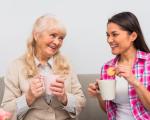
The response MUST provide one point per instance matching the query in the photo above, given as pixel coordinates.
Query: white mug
(107, 89)
(48, 80)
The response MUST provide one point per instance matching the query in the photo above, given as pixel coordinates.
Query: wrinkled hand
(36, 89)
(126, 72)
(4, 115)
(93, 89)
(58, 89)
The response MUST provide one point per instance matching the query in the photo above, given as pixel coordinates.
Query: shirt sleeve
(22, 106)
(71, 104)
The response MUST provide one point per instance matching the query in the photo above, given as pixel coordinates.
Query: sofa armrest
(2, 87)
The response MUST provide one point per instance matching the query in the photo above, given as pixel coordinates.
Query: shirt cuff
(71, 104)
(22, 106)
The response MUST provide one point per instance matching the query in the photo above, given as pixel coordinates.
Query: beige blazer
(16, 85)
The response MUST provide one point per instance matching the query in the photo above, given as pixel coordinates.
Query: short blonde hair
(45, 22)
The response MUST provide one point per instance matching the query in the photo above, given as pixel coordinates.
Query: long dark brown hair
(129, 22)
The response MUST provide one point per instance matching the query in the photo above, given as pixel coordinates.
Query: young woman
(132, 67)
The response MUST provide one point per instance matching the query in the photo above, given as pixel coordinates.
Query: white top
(122, 101)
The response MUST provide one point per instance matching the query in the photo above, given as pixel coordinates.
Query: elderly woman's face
(49, 42)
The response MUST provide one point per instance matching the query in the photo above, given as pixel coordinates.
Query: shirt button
(50, 109)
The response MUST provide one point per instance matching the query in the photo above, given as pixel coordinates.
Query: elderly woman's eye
(52, 35)
(61, 38)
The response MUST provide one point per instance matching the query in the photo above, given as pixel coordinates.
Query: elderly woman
(28, 94)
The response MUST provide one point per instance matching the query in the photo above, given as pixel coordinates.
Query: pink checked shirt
(141, 69)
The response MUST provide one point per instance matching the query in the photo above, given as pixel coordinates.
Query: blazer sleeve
(12, 91)
(76, 90)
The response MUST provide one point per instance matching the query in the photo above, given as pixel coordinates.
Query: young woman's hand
(126, 72)
(93, 89)
(4, 115)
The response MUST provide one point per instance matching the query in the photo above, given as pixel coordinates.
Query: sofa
(91, 111)
(2, 85)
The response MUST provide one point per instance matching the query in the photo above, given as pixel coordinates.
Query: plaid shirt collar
(140, 55)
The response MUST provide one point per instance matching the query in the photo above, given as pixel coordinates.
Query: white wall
(85, 44)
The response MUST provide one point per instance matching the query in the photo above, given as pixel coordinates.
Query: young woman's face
(49, 42)
(119, 40)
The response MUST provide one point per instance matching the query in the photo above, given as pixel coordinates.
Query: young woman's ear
(133, 36)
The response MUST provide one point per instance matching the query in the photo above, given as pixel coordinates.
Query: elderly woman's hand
(36, 89)
(58, 89)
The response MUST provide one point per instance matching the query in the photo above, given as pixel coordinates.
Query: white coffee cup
(48, 80)
(107, 89)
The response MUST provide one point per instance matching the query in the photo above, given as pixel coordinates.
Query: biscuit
(111, 71)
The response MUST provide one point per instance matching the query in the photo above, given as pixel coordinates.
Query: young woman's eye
(115, 35)
(107, 35)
